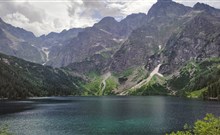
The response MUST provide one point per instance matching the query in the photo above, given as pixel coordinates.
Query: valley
(171, 50)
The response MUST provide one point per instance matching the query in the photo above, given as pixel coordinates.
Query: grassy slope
(193, 80)
(93, 87)
(156, 86)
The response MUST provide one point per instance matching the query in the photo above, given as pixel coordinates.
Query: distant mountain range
(172, 50)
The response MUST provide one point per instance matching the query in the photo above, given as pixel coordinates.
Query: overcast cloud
(44, 16)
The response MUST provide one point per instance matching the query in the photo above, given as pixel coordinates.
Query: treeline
(194, 76)
(213, 92)
(21, 79)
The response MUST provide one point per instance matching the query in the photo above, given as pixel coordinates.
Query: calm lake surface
(102, 115)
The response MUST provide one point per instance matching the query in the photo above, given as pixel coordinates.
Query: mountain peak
(209, 9)
(106, 21)
(132, 16)
(164, 1)
(202, 6)
(167, 8)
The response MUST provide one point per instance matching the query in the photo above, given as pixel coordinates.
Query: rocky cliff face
(16, 31)
(171, 37)
(17, 42)
(198, 40)
(96, 64)
(104, 37)
(171, 34)
(163, 19)
(167, 8)
(58, 39)
(23, 44)
(52, 43)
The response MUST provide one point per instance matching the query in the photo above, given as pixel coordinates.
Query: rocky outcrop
(198, 40)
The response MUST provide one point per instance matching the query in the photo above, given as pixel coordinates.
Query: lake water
(153, 115)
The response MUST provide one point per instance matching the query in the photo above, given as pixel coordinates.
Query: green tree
(210, 125)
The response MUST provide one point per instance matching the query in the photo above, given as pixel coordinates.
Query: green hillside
(198, 79)
(21, 79)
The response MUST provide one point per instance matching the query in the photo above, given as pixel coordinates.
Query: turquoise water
(102, 115)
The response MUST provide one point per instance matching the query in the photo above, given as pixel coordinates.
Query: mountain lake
(151, 115)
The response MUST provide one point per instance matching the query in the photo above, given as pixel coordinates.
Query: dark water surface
(102, 115)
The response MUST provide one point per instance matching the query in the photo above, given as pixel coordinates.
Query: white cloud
(137, 6)
(44, 16)
(19, 20)
(25, 8)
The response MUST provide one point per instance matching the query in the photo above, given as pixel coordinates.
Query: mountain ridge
(167, 39)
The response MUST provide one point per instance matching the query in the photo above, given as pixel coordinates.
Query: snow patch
(149, 37)
(118, 40)
(6, 61)
(46, 51)
(160, 47)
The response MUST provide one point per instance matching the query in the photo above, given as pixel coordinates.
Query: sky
(45, 16)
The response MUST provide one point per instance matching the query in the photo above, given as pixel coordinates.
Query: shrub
(4, 130)
(210, 125)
